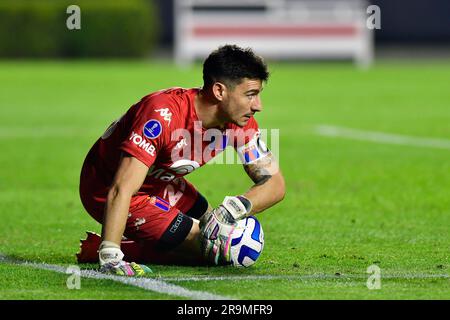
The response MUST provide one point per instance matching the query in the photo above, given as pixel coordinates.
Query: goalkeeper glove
(123, 268)
(110, 257)
(233, 209)
(217, 226)
(215, 239)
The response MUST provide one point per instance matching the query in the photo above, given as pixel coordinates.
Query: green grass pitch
(350, 203)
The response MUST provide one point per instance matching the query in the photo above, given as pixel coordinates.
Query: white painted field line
(405, 276)
(380, 137)
(156, 285)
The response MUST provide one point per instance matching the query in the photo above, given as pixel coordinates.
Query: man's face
(242, 101)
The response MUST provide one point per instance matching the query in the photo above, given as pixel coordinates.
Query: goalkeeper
(132, 181)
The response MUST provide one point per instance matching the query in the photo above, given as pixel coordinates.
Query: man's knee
(184, 229)
(176, 233)
(199, 208)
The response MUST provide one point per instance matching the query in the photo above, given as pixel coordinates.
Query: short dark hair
(230, 64)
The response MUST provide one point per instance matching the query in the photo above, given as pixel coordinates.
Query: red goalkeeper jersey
(163, 131)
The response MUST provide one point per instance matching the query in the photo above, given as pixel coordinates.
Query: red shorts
(160, 217)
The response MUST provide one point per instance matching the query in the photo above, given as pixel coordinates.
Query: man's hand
(233, 209)
(217, 225)
(123, 268)
(215, 237)
(110, 257)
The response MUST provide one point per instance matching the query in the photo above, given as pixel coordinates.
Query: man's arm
(269, 187)
(128, 179)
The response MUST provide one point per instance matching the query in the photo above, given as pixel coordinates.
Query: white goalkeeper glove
(109, 252)
(217, 226)
(234, 208)
(110, 257)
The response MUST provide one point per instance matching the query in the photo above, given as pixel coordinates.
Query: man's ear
(219, 90)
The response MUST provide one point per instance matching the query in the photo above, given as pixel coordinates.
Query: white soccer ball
(247, 242)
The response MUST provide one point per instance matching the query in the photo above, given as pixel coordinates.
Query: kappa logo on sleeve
(166, 114)
(152, 129)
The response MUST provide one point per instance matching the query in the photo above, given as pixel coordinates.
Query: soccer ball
(247, 242)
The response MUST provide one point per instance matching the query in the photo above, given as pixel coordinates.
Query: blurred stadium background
(377, 196)
(174, 28)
